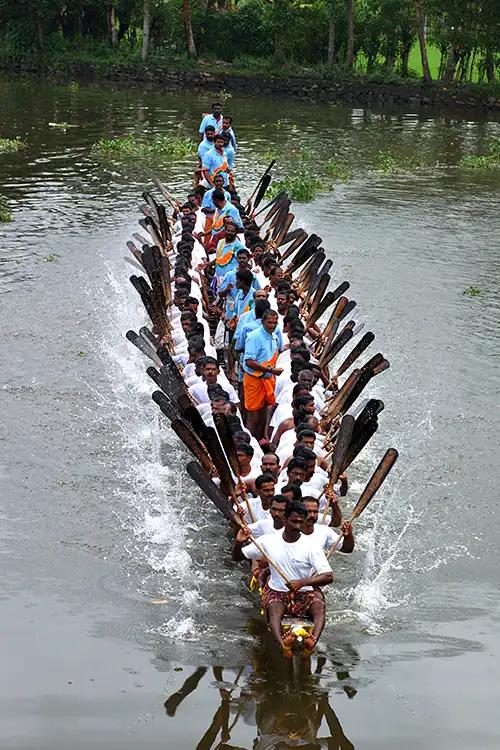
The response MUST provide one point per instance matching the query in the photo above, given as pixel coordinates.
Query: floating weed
(82, 354)
(388, 163)
(11, 145)
(490, 160)
(130, 146)
(224, 95)
(5, 213)
(50, 258)
(302, 187)
(61, 125)
(472, 291)
(338, 170)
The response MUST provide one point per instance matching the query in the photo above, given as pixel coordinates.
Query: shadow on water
(282, 704)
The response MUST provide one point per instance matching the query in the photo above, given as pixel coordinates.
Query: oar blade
(222, 426)
(358, 350)
(211, 490)
(341, 447)
(376, 480)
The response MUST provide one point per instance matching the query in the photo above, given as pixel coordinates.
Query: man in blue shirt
(262, 348)
(207, 201)
(228, 150)
(214, 119)
(215, 162)
(207, 143)
(227, 125)
(229, 287)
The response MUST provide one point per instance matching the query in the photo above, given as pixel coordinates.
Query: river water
(116, 582)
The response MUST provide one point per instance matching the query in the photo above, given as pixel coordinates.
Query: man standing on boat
(215, 162)
(262, 348)
(214, 119)
(305, 567)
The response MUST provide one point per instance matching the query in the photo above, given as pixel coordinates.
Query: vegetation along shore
(415, 52)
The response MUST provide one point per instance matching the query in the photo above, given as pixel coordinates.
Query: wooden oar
(341, 445)
(347, 309)
(167, 381)
(189, 686)
(136, 253)
(335, 405)
(360, 347)
(293, 235)
(366, 376)
(359, 441)
(302, 247)
(204, 482)
(266, 181)
(153, 205)
(278, 197)
(323, 306)
(191, 413)
(373, 485)
(214, 447)
(266, 173)
(330, 332)
(333, 348)
(222, 427)
(143, 346)
(168, 196)
(304, 253)
(310, 272)
(283, 229)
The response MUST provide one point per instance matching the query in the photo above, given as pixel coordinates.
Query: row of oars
(214, 449)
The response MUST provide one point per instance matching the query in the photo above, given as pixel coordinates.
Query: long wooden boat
(305, 264)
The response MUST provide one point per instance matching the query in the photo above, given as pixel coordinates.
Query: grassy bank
(100, 61)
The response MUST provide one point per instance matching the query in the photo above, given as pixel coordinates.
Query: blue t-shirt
(261, 346)
(229, 151)
(204, 146)
(227, 210)
(243, 302)
(207, 201)
(230, 278)
(216, 163)
(225, 255)
(233, 139)
(210, 120)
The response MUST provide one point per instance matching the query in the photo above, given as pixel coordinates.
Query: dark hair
(268, 312)
(297, 388)
(262, 479)
(297, 463)
(280, 499)
(272, 453)
(302, 451)
(295, 507)
(273, 269)
(209, 361)
(216, 104)
(245, 448)
(283, 286)
(260, 307)
(215, 390)
(246, 277)
(210, 127)
(219, 135)
(301, 401)
(241, 437)
(310, 499)
(189, 315)
(192, 301)
(227, 117)
(305, 432)
(243, 250)
(196, 344)
(218, 195)
(294, 489)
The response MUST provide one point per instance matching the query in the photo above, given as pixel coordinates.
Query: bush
(129, 146)
(302, 187)
(11, 145)
(5, 212)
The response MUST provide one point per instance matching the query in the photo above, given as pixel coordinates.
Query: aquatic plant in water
(11, 145)
(490, 160)
(130, 146)
(5, 213)
(388, 163)
(337, 169)
(301, 187)
(472, 291)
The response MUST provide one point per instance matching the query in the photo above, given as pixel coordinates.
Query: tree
(146, 27)
(188, 29)
(349, 55)
(331, 33)
(421, 41)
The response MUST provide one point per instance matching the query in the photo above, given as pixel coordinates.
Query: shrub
(11, 145)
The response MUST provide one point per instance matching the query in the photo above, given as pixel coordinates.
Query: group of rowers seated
(259, 369)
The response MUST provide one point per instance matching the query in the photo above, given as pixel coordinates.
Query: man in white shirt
(276, 521)
(260, 505)
(325, 536)
(211, 375)
(305, 567)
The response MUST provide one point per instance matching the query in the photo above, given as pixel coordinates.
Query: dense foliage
(445, 39)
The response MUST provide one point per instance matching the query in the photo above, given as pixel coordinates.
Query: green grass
(130, 146)
(5, 213)
(387, 162)
(11, 145)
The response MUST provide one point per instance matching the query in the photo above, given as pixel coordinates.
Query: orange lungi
(259, 391)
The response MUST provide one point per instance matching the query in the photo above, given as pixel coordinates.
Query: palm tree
(421, 40)
(186, 18)
(349, 56)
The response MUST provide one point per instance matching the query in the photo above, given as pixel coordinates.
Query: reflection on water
(282, 704)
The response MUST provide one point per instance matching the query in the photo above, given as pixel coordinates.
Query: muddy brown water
(99, 520)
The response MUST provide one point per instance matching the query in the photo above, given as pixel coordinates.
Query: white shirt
(199, 391)
(258, 511)
(300, 559)
(264, 526)
(324, 536)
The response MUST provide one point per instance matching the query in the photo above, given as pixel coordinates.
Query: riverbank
(305, 84)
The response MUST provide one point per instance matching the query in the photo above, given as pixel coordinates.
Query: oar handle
(269, 559)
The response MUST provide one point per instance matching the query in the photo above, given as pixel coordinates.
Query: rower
(207, 143)
(304, 564)
(295, 472)
(304, 405)
(215, 119)
(215, 162)
(262, 348)
(269, 525)
(323, 535)
(292, 492)
(229, 150)
(210, 375)
(207, 202)
(260, 505)
(227, 127)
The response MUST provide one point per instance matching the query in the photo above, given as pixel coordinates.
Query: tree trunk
(39, 30)
(186, 19)
(451, 64)
(421, 41)
(146, 26)
(331, 36)
(112, 28)
(349, 56)
(405, 56)
(489, 65)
